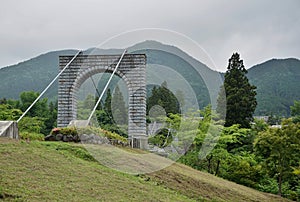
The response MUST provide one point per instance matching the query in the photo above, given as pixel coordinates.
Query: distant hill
(31, 75)
(277, 80)
(278, 85)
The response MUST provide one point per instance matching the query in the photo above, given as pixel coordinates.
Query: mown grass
(56, 171)
(44, 171)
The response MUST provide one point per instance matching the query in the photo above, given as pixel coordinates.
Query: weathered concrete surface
(9, 129)
(132, 70)
(78, 123)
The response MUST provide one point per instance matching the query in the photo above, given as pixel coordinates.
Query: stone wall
(132, 70)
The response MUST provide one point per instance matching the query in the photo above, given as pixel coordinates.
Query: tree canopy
(240, 94)
(163, 97)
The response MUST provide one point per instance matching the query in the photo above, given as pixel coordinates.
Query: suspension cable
(42, 93)
(110, 78)
(94, 84)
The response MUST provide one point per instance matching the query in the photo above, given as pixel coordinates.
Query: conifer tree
(107, 103)
(165, 98)
(119, 108)
(240, 94)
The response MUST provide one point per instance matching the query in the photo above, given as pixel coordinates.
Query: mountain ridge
(277, 80)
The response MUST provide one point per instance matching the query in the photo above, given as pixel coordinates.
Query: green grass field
(56, 171)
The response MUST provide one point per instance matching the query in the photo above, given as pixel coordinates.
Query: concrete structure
(9, 129)
(132, 70)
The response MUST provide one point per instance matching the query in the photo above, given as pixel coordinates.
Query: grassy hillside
(51, 171)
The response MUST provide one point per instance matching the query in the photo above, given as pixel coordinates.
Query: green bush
(65, 131)
(32, 124)
(69, 131)
(90, 130)
(121, 130)
(162, 139)
(24, 135)
(269, 185)
(114, 136)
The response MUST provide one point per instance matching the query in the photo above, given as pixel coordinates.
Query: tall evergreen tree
(118, 107)
(107, 103)
(240, 94)
(165, 98)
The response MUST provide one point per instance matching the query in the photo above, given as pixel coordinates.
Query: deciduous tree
(280, 149)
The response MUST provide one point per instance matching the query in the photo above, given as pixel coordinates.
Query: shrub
(162, 139)
(31, 136)
(90, 130)
(114, 136)
(31, 124)
(65, 131)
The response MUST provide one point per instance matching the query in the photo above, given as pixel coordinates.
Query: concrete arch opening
(132, 70)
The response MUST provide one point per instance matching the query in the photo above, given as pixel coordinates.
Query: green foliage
(107, 103)
(243, 169)
(105, 116)
(51, 118)
(295, 111)
(39, 109)
(240, 94)
(259, 126)
(115, 136)
(119, 111)
(25, 135)
(33, 74)
(40, 119)
(163, 97)
(119, 129)
(7, 112)
(66, 131)
(277, 82)
(162, 139)
(102, 132)
(269, 185)
(274, 119)
(32, 124)
(280, 149)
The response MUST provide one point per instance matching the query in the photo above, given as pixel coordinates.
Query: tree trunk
(217, 168)
(209, 164)
(279, 184)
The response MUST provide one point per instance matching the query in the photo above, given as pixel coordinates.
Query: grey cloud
(258, 29)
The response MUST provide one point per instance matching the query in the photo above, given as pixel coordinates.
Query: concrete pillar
(9, 129)
(132, 70)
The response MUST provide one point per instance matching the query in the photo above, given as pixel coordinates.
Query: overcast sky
(258, 29)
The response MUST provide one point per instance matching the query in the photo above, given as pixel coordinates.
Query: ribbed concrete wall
(132, 70)
(9, 129)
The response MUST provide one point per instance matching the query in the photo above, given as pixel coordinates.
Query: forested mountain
(278, 85)
(31, 75)
(277, 80)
